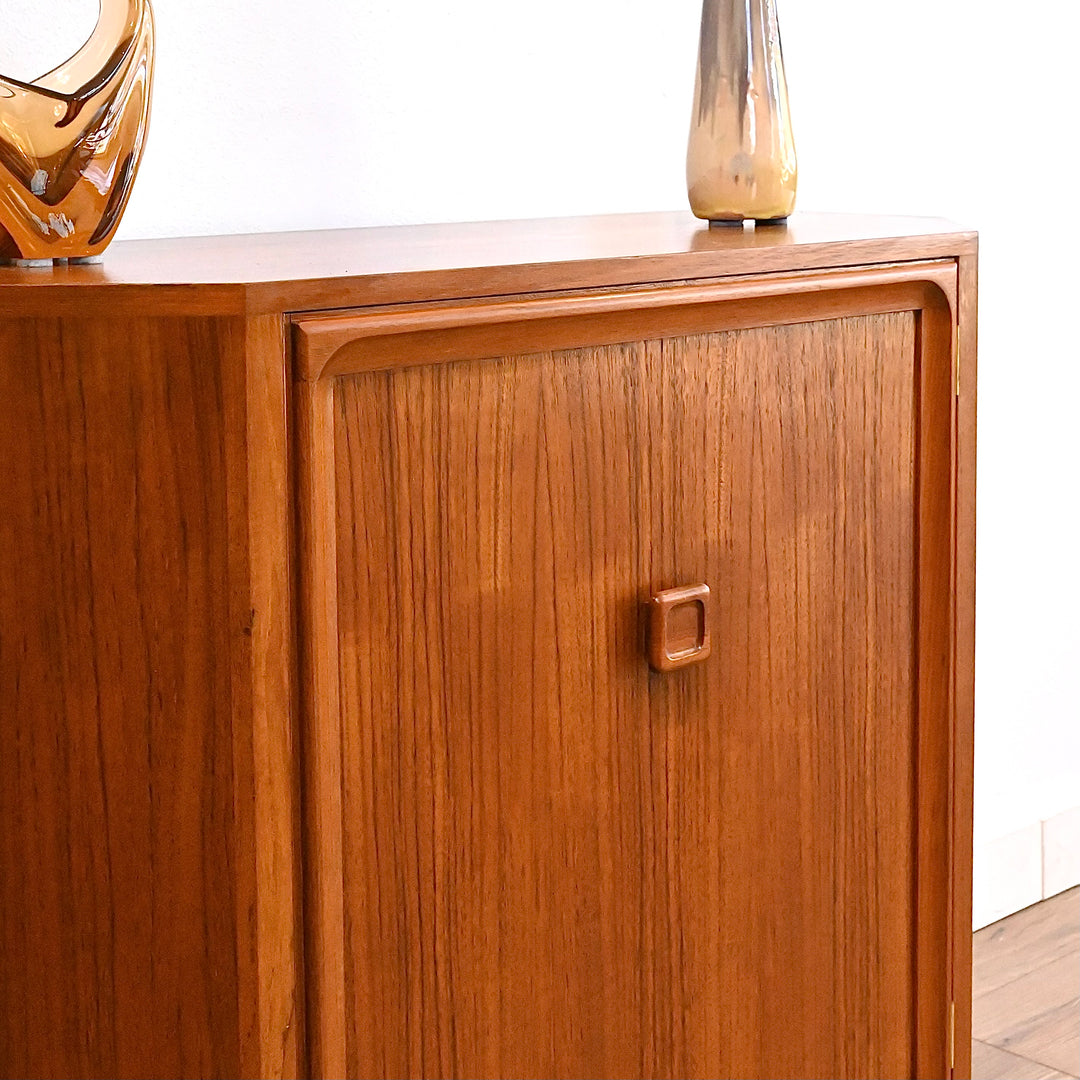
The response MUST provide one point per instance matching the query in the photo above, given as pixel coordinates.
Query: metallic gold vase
(740, 163)
(71, 141)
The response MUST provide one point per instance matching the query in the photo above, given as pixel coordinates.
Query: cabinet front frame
(329, 346)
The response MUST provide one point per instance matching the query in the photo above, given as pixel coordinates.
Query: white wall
(274, 115)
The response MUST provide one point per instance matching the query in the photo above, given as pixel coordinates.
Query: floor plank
(1019, 1004)
(990, 1063)
(1022, 942)
(1052, 1038)
(1026, 993)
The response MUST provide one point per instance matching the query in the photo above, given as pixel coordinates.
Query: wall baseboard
(1019, 869)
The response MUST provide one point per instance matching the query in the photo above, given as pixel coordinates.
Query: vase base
(47, 264)
(738, 223)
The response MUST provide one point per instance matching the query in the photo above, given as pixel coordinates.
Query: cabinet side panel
(118, 931)
(557, 863)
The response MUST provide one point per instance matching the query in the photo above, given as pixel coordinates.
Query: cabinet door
(532, 856)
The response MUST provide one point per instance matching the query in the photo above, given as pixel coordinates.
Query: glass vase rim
(35, 86)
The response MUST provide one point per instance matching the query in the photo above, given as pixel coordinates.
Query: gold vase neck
(737, 38)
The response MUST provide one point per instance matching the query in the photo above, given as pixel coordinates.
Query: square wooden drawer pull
(679, 627)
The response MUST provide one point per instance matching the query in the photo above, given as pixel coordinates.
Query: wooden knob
(679, 627)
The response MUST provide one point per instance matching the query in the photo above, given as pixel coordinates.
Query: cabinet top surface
(271, 272)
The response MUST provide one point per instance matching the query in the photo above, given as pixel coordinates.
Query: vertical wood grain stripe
(963, 739)
(264, 687)
(325, 915)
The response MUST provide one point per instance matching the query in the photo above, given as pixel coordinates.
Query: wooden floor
(1026, 1010)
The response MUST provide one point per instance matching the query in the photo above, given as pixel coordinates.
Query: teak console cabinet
(333, 568)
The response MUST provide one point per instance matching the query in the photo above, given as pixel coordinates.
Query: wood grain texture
(324, 899)
(272, 273)
(962, 804)
(935, 707)
(264, 701)
(556, 863)
(330, 344)
(119, 948)
(149, 857)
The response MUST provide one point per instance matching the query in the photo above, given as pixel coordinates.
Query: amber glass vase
(71, 141)
(740, 163)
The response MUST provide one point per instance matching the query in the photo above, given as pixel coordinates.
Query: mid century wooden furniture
(334, 565)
